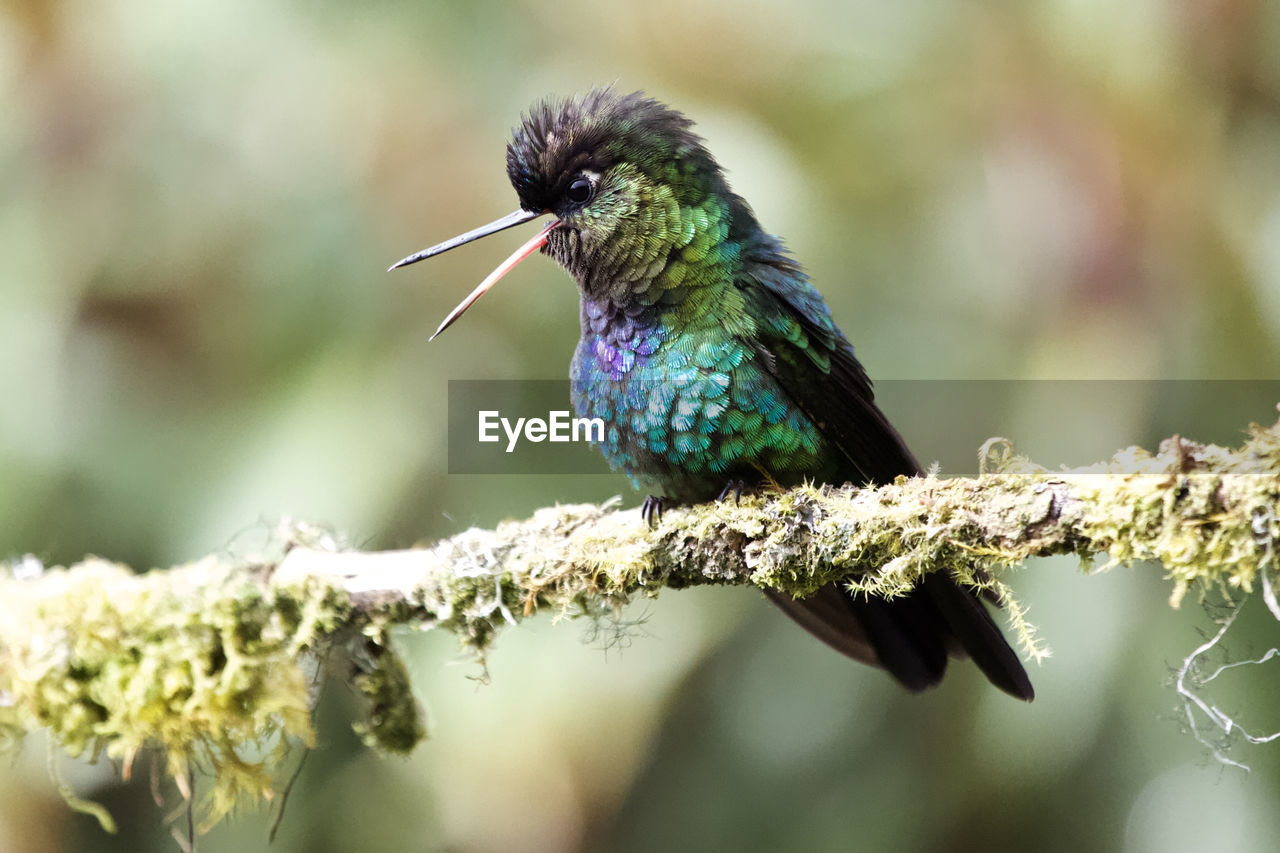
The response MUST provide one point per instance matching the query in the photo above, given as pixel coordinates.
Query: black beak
(517, 217)
(511, 219)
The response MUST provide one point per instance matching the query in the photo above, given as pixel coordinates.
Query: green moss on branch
(213, 662)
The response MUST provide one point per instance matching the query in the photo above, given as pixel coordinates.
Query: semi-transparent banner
(530, 426)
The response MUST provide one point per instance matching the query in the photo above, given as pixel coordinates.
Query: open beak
(517, 217)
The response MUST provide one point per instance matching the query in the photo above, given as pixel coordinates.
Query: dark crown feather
(558, 139)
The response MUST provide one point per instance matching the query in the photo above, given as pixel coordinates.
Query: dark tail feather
(912, 636)
(905, 636)
(825, 615)
(971, 624)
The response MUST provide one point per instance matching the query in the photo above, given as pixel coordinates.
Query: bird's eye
(579, 192)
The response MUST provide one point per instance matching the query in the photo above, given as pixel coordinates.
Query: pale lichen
(200, 662)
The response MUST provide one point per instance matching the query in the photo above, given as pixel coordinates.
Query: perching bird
(713, 360)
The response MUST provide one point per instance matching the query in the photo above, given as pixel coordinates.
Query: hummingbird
(713, 360)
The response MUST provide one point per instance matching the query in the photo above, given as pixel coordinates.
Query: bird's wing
(815, 365)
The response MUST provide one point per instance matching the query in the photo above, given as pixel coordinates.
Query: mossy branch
(213, 662)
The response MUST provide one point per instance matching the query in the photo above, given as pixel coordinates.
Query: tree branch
(209, 659)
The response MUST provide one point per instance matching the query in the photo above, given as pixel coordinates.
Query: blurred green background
(199, 199)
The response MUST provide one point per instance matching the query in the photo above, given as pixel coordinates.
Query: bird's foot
(651, 509)
(736, 487)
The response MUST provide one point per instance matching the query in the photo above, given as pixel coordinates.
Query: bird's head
(627, 182)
